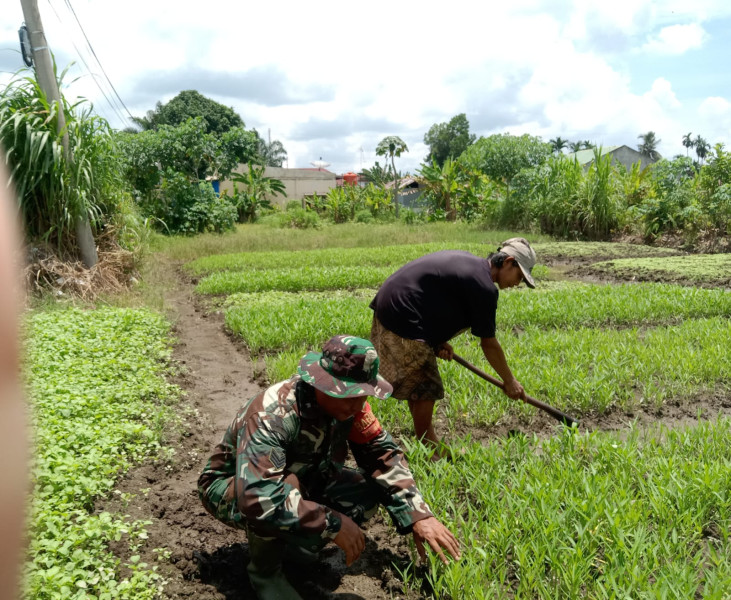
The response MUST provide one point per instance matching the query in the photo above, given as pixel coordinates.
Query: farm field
(634, 503)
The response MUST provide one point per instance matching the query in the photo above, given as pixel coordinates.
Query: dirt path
(207, 559)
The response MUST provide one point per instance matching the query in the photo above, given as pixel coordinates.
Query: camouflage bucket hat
(347, 367)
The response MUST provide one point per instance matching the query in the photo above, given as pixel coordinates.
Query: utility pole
(43, 64)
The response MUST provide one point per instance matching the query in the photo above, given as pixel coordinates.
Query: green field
(575, 515)
(100, 400)
(639, 513)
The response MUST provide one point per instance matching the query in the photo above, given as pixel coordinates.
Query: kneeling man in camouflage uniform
(279, 471)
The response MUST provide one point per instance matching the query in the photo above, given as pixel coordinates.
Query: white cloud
(676, 39)
(332, 78)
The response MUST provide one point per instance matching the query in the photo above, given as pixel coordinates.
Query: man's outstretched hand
(431, 531)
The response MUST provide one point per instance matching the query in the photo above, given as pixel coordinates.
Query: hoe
(554, 412)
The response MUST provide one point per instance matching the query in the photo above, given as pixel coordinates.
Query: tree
(688, 142)
(558, 144)
(587, 144)
(442, 185)
(256, 192)
(448, 140)
(189, 104)
(391, 147)
(165, 168)
(502, 156)
(702, 148)
(378, 175)
(576, 146)
(648, 145)
(271, 154)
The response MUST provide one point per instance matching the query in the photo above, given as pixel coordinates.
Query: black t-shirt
(435, 297)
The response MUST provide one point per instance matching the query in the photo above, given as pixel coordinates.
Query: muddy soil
(205, 559)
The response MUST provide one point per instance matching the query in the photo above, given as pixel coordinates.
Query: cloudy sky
(330, 79)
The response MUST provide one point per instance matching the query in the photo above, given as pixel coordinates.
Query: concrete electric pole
(43, 64)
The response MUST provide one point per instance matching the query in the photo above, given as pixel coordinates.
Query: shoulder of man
(365, 426)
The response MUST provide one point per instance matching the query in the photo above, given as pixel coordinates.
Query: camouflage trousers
(351, 493)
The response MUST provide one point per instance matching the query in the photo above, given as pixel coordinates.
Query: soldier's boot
(300, 556)
(265, 570)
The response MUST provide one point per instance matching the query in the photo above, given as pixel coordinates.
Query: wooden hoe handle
(554, 412)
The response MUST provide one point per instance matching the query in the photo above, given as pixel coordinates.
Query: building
(298, 183)
(409, 192)
(623, 155)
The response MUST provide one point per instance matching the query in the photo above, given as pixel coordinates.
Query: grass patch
(96, 382)
(256, 237)
(582, 370)
(589, 305)
(273, 321)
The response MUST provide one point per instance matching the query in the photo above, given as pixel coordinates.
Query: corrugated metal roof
(406, 181)
(586, 156)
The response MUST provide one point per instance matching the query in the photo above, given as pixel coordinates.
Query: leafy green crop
(304, 277)
(578, 304)
(279, 320)
(593, 251)
(96, 381)
(585, 515)
(713, 269)
(326, 257)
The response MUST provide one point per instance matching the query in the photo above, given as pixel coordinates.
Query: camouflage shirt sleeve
(384, 461)
(268, 494)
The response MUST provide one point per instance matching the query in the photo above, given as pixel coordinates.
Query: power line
(116, 103)
(111, 105)
(71, 8)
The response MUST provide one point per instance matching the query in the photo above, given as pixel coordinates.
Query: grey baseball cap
(524, 255)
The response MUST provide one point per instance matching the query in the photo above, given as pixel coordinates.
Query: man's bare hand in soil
(350, 539)
(431, 531)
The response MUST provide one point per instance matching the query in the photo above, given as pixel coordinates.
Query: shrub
(364, 216)
(190, 208)
(295, 218)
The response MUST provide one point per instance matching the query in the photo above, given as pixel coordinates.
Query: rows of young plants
(699, 269)
(575, 515)
(390, 255)
(584, 515)
(100, 400)
(282, 320)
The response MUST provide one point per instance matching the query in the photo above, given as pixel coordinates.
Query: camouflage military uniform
(279, 470)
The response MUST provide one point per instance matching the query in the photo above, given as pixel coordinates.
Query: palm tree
(587, 145)
(648, 145)
(272, 154)
(702, 147)
(576, 146)
(392, 146)
(688, 142)
(558, 144)
(378, 175)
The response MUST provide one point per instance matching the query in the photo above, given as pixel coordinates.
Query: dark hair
(496, 259)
